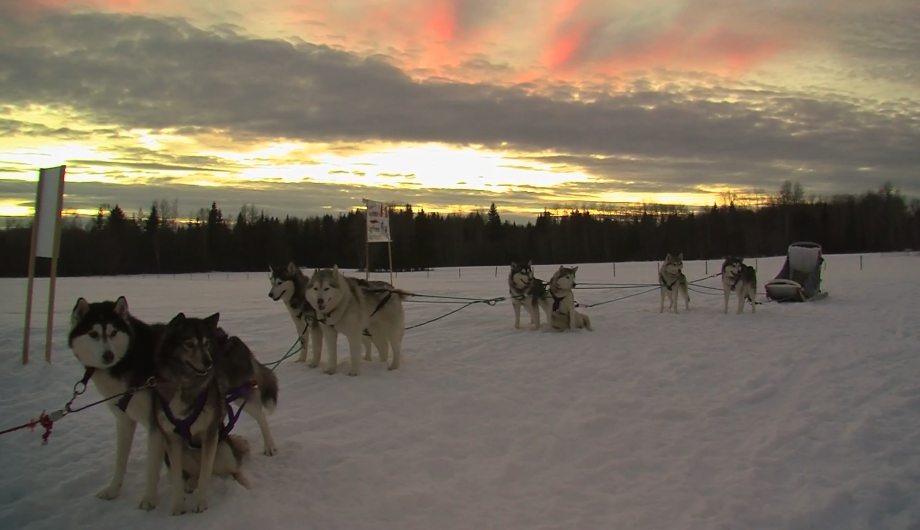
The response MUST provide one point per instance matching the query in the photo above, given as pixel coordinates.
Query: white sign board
(378, 222)
(47, 209)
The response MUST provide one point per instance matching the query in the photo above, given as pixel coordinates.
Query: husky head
(673, 265)
(100, 332)
(732, 266)
(564, 278)
(185, 349)
(326, 289)
(286, 282)
(521, 275)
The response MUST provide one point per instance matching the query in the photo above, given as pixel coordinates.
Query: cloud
(146, 72)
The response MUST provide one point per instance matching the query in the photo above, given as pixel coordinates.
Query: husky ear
(667, 258)
(680, 257)
(574, 269)
(291, 268)
(212, 321)
(335, 269)
(530, 264)
(177, 319)
(121, 307)
(80, 309)
(513, 264)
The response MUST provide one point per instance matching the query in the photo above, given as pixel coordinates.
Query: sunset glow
(451, 105)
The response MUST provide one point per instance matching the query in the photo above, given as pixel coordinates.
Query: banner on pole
(378, 222)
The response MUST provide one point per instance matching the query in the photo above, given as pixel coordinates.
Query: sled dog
(673, 283)
(528, 292)
(290, 285)
(741, 278)
(561, 287)
(352, 307)
(202, 371)
(116, 349)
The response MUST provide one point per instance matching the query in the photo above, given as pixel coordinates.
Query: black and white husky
(116, 349)
(289, 285)
(673, 282)
(742, 279)
(528, 292)
(561, 288)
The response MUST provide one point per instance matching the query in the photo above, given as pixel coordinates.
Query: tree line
(159, 242)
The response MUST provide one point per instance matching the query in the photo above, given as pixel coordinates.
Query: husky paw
(109, 492)
(312, 364)
(393, 367)
(191, 484)
(352, 373)
(147, 504)
(300, 360)
(329, 371)
(200, 505)
(177, 509)
(270, 450)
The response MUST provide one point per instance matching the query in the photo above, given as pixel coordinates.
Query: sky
(306, 107)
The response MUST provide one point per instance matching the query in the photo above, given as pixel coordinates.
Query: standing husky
(290, 286)
(528, 292)
(117, 351)
(741, 278)
(673, 282)
(351, 307)
(561, 287)
(202, 371)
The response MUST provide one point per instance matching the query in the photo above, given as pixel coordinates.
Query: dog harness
(666, 284)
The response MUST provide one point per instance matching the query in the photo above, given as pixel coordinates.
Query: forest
(158, 241)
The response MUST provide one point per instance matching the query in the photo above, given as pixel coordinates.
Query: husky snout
(108, 357)
(202, 366)
(320, 303)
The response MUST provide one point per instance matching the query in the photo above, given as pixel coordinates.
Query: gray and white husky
(289, 284)
(352, 307)
(673, 282)
(528, 292)
(742, 279)
(202, 371)
(561, 288)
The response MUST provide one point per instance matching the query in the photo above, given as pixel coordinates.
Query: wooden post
(390, 252)
(860, 262)
(707, 266)
(614, 269)
(367, 258)
(46, 232)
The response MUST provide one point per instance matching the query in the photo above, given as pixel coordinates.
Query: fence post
(614, 269)
(496, 271)
(707, 267)
(459, 272)
(860, 262)
(756, 265)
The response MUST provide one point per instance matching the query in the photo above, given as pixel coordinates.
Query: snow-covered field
(803, 416)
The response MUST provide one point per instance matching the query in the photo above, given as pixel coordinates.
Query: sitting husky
(202, 370)
(564, 316)
(528, 292)
(673, 282)
(351, 306)
(741, 278)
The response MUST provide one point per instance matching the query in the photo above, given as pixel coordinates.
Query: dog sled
(800, 278)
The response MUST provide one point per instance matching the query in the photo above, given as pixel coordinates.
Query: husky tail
(268, 386)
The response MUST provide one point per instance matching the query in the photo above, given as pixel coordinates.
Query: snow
(802, 416)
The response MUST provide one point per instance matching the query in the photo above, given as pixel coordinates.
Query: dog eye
(325, 288)
(93, 334)
(113, 333)
(189, 344)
